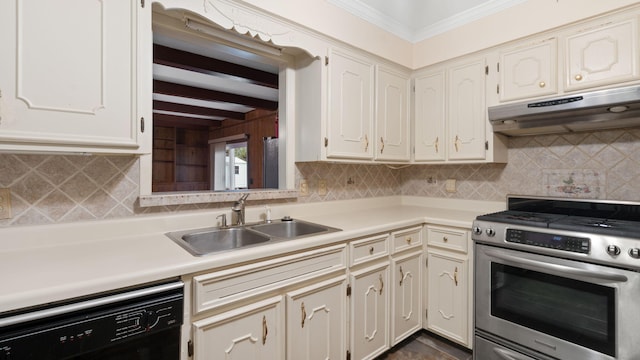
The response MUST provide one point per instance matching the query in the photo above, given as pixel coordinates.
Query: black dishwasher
(141, 324)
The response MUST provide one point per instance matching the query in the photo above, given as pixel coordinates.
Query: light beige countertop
(49, 263)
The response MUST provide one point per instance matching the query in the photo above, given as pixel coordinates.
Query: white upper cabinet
(602, 55)
(529, 71)
(350, 106)
(430, 117)
(467, 111)
(392, 115)
(68, 75)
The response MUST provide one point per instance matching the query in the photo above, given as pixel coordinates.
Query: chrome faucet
(238, 208)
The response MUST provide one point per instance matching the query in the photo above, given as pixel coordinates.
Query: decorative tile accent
(56, 188)
(586, 184)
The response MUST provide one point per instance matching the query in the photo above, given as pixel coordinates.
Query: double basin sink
(211, 240)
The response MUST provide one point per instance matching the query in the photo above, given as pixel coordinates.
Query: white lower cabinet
(406, 304)
(353, 300)
(370, 311)
(447, 296)
(255, 331)
(316, 321)
(449, 286)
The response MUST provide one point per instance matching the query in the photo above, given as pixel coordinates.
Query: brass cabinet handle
(371, 250)
(303, 312)
(265, 330)
(578, 77)
(381, 283)
(366, 143)
(455, 142)
(445, 239)
(455, 276)
(382, 144)
(409, 240)
(401, 275)
(542, 84)
(436, 144)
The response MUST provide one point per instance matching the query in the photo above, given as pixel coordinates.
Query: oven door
(563, 308)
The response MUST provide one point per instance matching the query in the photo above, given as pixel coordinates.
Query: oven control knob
(491, 232)
(477, 230)
(613, 250)
(634, 253)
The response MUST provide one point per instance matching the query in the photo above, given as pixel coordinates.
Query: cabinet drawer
(448, 238)
(369, 248)
(219, 288)
(406, 239)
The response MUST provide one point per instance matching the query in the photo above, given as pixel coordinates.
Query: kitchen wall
(598, 165)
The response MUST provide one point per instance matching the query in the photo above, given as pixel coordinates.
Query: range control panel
(552, 241)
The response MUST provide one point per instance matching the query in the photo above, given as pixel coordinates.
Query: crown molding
(415, 33)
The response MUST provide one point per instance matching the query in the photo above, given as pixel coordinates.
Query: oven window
(580, 312)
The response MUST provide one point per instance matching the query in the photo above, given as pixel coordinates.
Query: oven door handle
(557, 268)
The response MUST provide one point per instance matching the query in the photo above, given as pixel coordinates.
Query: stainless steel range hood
(602, 109)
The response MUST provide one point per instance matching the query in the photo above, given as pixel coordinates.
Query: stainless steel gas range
(557, 279)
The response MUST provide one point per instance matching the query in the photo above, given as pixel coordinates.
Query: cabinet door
(529, 71)
(350, 106)
(447, 310)
(68, 78)
(467, 111)
(430, 117)
(406, 314)
(250, 332)
(392, 115)
(316, 321)
(605, 55)
(370, 311)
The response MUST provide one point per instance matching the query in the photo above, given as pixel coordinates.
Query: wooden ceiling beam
(206, 65)
(197, 110)
(173, 120)
(167, 88)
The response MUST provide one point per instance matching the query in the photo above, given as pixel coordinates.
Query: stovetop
(584, 230)
(597, 217)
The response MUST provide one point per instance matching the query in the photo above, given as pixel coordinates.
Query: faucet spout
(238, 208)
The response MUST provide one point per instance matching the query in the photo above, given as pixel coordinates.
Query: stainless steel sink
(205, 241)
(211, 240)
(290, 228)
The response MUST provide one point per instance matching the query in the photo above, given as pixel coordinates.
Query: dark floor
(426, 346)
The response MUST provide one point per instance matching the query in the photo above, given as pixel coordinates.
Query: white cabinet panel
(370, 311)
(392, 115)
(529, 71)
(604, 55)
(316, 321)
(68, 79)
(467, 111)
(407, 296)
(448, 296)
(252, 332)
(350, 106)
(430, 117)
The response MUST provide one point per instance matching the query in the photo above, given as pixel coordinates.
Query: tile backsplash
(598, 165)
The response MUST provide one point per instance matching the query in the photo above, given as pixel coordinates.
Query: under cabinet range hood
(602, 109)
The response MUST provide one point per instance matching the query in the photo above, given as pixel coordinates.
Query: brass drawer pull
(445, 239)
(371, 250)
(265, 329)
(409, 240)
(455, 276)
